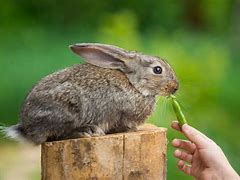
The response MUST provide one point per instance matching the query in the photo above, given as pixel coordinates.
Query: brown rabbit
(113, 92)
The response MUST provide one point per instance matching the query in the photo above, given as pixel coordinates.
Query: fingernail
(185, 128)
(177, 153)
(175, 142)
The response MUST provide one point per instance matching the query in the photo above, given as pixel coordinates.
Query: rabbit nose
(174, 86)
(174, 90)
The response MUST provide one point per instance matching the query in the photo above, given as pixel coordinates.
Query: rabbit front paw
(90, 131)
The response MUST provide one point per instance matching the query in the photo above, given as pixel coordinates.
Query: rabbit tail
(14, 132)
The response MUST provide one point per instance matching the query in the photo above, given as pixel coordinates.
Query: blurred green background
(200, 39)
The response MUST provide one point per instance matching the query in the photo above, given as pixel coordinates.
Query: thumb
(199, 139)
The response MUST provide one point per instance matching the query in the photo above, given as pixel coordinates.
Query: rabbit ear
(101, 55)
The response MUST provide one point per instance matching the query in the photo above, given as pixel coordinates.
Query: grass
(204, 65)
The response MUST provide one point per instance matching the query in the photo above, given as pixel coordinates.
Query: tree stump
(130, 155)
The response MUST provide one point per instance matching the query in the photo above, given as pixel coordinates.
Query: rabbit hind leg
(84, 131)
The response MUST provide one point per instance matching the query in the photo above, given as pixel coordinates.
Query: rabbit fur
(113, 92)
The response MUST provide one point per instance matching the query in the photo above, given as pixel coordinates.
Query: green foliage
(194, 38)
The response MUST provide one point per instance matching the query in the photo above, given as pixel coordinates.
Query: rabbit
(113, 92)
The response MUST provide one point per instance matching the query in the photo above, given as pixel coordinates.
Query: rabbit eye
(157, 70)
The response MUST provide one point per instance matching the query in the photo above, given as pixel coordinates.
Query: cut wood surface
(130, 155)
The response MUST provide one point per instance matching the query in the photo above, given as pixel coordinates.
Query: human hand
(200, 156)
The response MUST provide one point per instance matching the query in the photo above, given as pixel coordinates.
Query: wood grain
(130, 156)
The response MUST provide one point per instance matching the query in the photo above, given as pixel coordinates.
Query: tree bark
(130, 155)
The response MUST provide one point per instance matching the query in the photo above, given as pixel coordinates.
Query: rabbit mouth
(165, 94)
(169, 88)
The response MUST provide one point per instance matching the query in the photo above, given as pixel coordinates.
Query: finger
(187, 169)
(184, 167)
(175, 125)
(196, 136)
(183, 156)
(183, 144)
